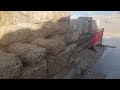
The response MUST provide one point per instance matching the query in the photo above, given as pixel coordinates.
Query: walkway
(109, 63)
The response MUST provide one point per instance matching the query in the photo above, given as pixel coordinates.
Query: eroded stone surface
(52, 46)
(29, 54)
(47, 42)
(10, 65)
(39, 71)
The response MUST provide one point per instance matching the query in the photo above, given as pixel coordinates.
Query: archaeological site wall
(44, 45)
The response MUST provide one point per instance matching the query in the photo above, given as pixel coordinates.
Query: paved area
(109, 63)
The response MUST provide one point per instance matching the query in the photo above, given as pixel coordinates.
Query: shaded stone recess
(44, 45)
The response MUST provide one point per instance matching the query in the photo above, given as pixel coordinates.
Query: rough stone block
(28, 53)
(10, 66)
(37, 72)
(52, 46)
(61, 61)
(13, 33)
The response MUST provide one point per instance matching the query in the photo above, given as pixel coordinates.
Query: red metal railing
(97, 38)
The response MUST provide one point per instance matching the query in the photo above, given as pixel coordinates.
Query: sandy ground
(111, 30)
(111, 24)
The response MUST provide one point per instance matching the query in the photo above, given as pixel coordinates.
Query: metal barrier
(97, 39)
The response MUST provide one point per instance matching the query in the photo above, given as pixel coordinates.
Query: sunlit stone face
(18, 25)
(15, 17)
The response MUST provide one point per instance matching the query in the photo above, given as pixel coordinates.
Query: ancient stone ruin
(44, 45)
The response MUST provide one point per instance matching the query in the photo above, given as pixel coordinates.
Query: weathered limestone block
(84, 24)
(2, 48)
(61, 15)
(86, 27)
(85, 18)
(81, 25)
(61, 61)
(22, 26)
(65, 25)
(13, 33)
(77, 24)
(56, 63)
(52, 46)
(28, 32)
(16, 17)
(29, 54)
(36, 72)
(50, 29)
(69, 37)
(76, 35)
(81, 30)
(73, 37)
(11, 17)
(60, 37)
(23, 33)
(10, 66)
(94, 26)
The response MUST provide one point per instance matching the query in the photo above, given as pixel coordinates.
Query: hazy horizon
(76, 14)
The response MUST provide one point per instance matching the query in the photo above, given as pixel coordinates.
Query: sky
(76, 14)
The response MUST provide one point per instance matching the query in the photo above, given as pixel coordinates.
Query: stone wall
(44, 44)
